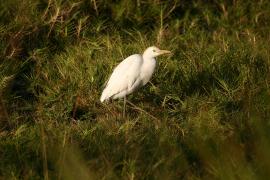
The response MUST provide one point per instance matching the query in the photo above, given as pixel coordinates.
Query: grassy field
(205, 114)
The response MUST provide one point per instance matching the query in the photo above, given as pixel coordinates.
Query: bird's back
(123, 78)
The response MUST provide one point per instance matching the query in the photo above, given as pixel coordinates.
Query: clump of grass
(205, 114)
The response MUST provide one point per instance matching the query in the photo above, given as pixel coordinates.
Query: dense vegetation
(205, 114)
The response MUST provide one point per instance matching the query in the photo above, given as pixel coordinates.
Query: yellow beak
(164, 52)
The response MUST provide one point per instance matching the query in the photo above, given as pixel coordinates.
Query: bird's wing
(123, 76)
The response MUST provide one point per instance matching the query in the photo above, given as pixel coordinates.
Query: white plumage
(132, 73)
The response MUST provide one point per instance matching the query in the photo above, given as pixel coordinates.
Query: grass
(204, 115)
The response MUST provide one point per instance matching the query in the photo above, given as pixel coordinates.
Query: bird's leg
(124, 110)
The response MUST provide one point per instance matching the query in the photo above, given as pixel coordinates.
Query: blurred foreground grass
(205, 114)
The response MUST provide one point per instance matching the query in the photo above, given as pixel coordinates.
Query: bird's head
(153, 51)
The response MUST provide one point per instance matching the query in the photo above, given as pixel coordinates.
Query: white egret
(133, 72)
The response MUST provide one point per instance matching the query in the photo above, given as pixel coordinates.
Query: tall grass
(204, 115)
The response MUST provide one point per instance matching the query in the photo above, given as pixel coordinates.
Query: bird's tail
(103, 96)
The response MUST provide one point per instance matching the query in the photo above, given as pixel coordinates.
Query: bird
(132, 73)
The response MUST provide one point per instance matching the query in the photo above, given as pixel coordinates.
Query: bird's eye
(154, 50)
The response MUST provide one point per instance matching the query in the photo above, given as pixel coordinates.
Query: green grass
(205, 114)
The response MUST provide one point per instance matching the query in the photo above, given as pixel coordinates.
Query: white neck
(146, 55)
(148, 67)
